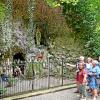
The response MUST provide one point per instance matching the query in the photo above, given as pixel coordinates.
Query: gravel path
(62, 95)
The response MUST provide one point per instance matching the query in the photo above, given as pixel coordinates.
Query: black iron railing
(35, 75)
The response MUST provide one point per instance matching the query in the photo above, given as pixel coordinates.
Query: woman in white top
(89, 64)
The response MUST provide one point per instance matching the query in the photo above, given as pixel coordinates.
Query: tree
(83, 17)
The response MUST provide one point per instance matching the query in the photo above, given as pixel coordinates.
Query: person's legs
(77, 83)
(94, 94)
(89, 88)
(80, 90)
(99, 89)
(84, 92)
(98, 82)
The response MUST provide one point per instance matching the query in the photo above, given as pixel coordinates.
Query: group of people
(88, 74)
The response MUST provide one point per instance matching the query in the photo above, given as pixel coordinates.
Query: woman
(88, 66)
(81, 60)
(93, 81)
(98, 79)
(82, 79)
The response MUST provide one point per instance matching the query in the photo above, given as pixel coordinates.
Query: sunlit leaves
(52, 3)
(56, 3)
(70, 1)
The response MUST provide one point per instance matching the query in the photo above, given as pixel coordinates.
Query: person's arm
(85, 77)
(71, 65)
(97, 74)
(98, 70)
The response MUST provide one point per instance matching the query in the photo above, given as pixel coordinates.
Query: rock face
(17, 39)
(55, 30)
(20, 35)
(17, 35)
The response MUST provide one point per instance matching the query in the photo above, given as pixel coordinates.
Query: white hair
(95, 61)
(81, 57)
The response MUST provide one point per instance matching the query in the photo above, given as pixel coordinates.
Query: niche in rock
(20, 61)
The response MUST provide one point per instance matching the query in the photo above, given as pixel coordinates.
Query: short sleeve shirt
(81, 75)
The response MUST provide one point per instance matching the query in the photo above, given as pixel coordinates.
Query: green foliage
(37, 67)
(11, 80)
(2, 90)
(29, 71)
(96, 48)
(2, 11)
(2, 16)
(83, 19)
(52, 3)
(56, 3)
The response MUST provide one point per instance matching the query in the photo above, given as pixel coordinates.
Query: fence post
(62, 70)
(48, 64)
(33, 73)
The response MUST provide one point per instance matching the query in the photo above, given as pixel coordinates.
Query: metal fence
(23, 77)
